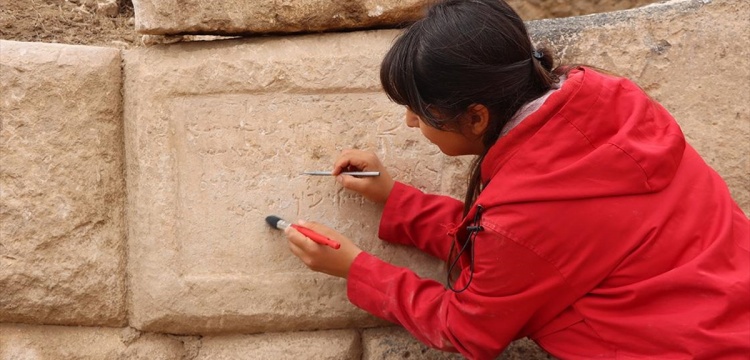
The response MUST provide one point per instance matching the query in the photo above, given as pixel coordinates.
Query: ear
(477, 119)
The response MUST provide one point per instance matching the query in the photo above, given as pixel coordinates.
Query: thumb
(352, 183)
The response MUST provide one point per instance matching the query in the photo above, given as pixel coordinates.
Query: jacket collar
(507, 146)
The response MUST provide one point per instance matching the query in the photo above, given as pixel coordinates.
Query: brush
(281, 224)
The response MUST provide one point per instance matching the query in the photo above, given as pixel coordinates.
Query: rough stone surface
(108, 7)
(269, 16)
(226, 17)
(545, 9)
(689, 55)
(323, 345)
(216, 141)
(395, 343)
(62, 237)
(22, 342)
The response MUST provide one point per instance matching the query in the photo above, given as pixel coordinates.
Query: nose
(412, 120)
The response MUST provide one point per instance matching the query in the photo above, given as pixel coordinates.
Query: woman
(589, 224)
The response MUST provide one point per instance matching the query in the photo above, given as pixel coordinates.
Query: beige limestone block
(692, 56)
(323, 345)
(25, 342)
(216, 136)
(62, 190)
(395, 343)
(223, 17)
(228, 17)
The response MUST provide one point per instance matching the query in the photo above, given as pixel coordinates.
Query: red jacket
(604, 235)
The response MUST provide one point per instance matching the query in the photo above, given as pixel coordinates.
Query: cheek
(427, 132)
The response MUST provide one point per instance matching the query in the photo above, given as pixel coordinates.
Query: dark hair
(466, 52)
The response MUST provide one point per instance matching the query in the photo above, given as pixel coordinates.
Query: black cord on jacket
(472, 229)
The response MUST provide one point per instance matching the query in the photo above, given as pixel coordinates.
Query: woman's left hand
(319, 257)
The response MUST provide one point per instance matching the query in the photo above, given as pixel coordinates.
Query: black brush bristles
(273, 221)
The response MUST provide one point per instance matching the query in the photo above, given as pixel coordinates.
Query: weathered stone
(333, 345)
(689, 55)
(226, 17)
(160, 17)
(62, 236)
(391, 343)
(109, 8)
(216, 142)
(545, 9)
(524, 349)
(394, 343)
(20, 342)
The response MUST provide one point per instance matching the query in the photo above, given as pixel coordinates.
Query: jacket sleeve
(511, 286)
(411, 217)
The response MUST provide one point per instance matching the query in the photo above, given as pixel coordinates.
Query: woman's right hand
(375, 188)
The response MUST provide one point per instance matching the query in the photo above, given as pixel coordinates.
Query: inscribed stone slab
(62, 190)
(216, 136)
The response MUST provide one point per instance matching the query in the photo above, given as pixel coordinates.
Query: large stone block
(62, 190)
(323, 345)
(216, 136)
(395, 343)
(21, 342)
(689, 55)
(228, 17)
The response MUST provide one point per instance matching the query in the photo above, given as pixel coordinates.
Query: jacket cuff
(391, 217)
(362, 288)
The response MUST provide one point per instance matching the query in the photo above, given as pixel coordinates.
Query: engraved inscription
(238, 160)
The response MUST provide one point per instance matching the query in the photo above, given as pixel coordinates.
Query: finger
(305, 257)
(354, 183)
(301, 241)
(349, 159)
(319, 228)
(296, 250)
(342, 162)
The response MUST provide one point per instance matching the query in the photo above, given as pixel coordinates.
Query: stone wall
(207, 138)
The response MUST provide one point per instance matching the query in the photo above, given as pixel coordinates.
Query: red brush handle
(320, 239)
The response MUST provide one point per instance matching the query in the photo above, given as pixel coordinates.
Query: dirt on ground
(69, 22)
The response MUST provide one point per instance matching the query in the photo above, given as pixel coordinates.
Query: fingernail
(301, 222)
(340, 179)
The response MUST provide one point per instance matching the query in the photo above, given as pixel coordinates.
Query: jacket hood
(597, 136)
